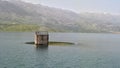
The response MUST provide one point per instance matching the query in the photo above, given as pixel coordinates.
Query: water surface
(90, 51)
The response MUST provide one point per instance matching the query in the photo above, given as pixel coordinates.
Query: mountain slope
(54, 19)
(36, 14)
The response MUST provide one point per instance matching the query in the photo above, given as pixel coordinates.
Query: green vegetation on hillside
(25, 28)
(18, 27)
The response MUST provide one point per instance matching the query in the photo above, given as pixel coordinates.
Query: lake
(90, 51)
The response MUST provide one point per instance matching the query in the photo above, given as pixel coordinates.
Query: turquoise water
(90, 51)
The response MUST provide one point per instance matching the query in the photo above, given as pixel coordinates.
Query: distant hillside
(53, 19)
(101, 21)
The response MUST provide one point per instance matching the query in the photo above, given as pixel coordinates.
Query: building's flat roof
(41, 33)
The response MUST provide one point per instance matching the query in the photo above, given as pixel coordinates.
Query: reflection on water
(41, 56)
(41, 48)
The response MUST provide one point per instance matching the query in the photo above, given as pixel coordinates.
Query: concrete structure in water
(41, 38)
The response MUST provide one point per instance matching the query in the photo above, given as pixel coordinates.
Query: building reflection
(42, 57)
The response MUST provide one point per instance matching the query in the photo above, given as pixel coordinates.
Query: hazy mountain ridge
(18, 12)
(107, 22)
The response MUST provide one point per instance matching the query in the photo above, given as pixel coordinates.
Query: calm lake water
(90, 51)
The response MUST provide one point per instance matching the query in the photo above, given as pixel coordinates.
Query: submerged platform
(53, 43)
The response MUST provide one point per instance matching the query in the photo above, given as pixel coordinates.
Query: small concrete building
(41, 38)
